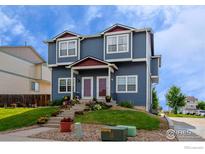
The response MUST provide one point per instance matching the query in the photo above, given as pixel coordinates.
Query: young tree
(175, 98)
(201, 105)
(155, 100)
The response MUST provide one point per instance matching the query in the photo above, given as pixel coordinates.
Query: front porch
(91, 78)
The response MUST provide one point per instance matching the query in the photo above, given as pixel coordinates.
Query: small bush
(126, 104)
(42, 120)
(57, 102)
(97, 107)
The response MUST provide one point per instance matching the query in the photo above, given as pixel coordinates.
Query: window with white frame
(35, 86)
(126, 84)
(68, 48)
(117, 43)
(64, 85)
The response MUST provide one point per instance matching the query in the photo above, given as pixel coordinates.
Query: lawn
(11, 118)
(141, 120)
(184, 115)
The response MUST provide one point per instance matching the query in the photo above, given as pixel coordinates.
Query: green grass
(21, 117)
(120, 117)
(184, 115)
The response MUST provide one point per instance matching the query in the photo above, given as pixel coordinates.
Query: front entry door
(101, 87)
(87, 87)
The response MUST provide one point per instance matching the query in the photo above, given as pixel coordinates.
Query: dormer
(118, 43)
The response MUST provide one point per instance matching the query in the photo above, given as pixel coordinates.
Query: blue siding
(92, 47)
(66, 59)
(139, 69)
(139, 45)
(118, 55)
(52, 53)
(129, 68)
(154, 66)
(58, 72)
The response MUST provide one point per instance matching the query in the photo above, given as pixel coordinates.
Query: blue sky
(179, 35)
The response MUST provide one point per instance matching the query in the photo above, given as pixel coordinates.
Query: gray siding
(118, 55)
(139, 45)
(58, 72)
(154, 66)
(92, 47)
(67, 59)
(52, 53)
(129, 68)
(138, 69)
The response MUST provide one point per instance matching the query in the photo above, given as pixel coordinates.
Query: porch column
(109, 81)
(71, 91)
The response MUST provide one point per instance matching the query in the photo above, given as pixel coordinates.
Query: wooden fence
(25, 100)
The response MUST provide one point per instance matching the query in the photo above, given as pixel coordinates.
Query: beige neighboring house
(24, 76)
(191, 105)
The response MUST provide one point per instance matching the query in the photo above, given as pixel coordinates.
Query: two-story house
(119, 62)
(24, 76)
(191, 105)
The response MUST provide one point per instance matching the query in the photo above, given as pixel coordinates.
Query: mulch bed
(91, 132)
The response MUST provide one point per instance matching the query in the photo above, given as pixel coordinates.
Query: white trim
(91, 87)
(69, 32)
(90, 67)
(67, 38)
(66, 85)
(147, 75)
(78, 49)
(139, 59)
(97, 86)
(118, 32)
(67, 42)
(117, 38)
(104, 47)
(131, 44)
(126, 81)
(119, 59)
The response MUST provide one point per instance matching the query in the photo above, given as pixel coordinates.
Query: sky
(179, 35)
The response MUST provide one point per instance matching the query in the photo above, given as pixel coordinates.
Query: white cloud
(183, 50)
(92, 13)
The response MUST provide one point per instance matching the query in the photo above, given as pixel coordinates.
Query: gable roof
(27, 53)
(123, 27)
(95, 61)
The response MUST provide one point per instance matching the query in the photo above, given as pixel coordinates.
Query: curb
(171, 125)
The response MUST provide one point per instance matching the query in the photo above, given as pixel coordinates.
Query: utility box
(131, 130)
(114, 133)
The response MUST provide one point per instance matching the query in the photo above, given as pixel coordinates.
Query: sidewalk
(23, 135)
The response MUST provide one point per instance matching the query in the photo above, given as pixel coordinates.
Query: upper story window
(68, 48)
(117, 43)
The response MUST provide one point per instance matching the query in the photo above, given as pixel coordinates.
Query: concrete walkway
(189, 129)
(23, 135)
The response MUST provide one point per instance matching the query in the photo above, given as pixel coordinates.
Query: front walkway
(189, 129)
(23, 135)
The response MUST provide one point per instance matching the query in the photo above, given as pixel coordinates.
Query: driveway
(185, 125)
(23, 135)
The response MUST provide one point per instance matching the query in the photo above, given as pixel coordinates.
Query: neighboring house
(191, 105)
(24, 76)
(119, 62)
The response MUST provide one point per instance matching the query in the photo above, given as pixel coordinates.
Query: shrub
(42, 120)
(126, 104)
(57, 102)
(97, 107)
(66, 120)
(94, 99)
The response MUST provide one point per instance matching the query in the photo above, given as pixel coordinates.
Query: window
(68, 48)
(126, 84)
(117, 43)
(35, 86)
(64, 85)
